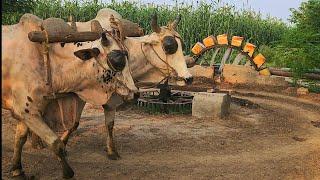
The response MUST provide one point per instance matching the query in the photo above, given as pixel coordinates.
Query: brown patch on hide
(29, 99)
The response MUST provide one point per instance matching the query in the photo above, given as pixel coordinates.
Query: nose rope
(161, 70)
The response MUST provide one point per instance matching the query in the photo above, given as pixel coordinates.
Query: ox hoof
(67, 173)
(22, 176)
(65, 153)
(113, 156)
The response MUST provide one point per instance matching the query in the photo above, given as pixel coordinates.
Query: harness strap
(47, 63)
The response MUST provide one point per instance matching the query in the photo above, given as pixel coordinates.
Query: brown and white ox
(151, 59)
(84, 70)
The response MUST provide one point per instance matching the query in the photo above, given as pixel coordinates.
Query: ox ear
(150, 41)
(86, 54)
(154, 23)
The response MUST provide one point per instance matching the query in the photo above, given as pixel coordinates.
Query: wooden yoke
(125, 28)
(56, 30)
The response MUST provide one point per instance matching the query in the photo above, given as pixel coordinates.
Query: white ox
(81, 70)
(148, 62)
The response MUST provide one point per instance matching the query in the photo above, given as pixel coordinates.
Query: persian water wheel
(221, 50)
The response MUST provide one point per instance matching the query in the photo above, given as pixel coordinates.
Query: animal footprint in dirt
(316, 123)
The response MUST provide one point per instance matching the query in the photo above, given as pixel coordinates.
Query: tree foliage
(299, 48)
(12, 10)
(21, 6)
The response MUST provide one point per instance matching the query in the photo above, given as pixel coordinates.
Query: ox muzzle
(188, 80)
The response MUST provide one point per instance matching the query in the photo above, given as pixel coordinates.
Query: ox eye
(170, 45)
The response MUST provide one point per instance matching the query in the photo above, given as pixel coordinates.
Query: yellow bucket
(265, 72)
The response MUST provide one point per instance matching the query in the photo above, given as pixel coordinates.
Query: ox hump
(106, 13)
(30, 21)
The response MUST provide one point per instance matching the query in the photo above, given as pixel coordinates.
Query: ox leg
(78, 106)
(66, 135)
(36, 124)
(109, 114)
(36, 142)
(20, 140)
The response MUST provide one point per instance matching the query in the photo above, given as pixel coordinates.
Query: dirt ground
(278, 139)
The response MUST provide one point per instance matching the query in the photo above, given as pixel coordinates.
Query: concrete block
(202, 71)
(302, 91)
(272, 81)
(238, 74)
(210, 104)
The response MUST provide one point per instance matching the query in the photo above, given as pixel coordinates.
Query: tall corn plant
(198, 20)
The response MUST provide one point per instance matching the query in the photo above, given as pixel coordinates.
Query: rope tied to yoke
(47, 63)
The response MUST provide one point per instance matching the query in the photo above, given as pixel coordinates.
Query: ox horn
(73, 23)
(176, 22)
(154, 24)
(96, 26)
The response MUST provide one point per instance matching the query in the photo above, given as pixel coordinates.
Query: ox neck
(139, 65)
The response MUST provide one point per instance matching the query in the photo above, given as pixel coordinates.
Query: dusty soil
(278, 138)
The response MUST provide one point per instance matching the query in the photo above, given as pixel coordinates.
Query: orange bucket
(222, 39)
(236, 41)
(209, 41)
(249, 48)
(198, 48)
(259, 60)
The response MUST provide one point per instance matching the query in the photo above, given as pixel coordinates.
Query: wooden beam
(41, 36)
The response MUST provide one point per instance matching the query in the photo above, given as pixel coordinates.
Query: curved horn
(96, 27)
(73, 23)
(154, 24)
(176, 21)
